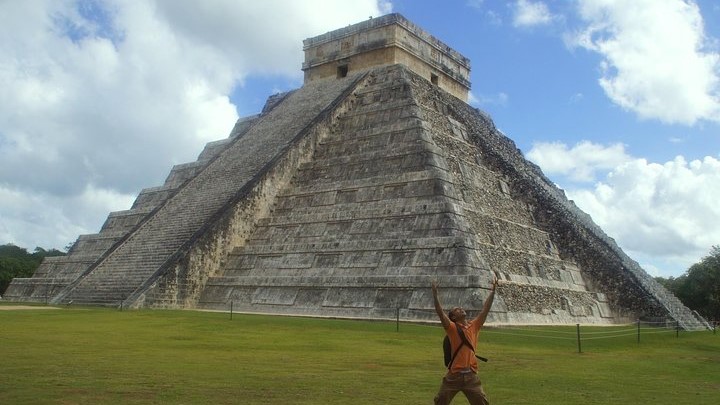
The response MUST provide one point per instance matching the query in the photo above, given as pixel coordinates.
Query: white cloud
(101, 98)
(52, 221)
(248, 33)
(581, 163)
(663, 215)
(531, 13)
(475, 3)
(658, 212)
(500, 99)
(657, 60)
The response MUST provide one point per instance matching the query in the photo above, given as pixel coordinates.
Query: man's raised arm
(438, 307)
(482, 316)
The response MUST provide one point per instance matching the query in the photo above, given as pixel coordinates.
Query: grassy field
(102, 356)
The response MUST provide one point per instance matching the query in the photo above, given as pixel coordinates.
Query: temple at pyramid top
(387, 40)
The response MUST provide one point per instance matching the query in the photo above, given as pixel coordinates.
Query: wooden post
(397, 319)
(638, 331)
(578, 338)
(231, 310)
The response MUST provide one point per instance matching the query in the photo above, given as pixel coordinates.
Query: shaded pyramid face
(346, 198)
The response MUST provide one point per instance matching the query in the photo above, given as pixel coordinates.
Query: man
(462, 372)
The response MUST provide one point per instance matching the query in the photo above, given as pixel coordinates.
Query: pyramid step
(400, 132)
(363, 209)
(151, 197)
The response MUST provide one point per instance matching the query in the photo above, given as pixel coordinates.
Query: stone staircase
(55, 274)
(202, 189)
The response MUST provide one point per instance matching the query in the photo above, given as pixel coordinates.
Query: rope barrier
(521, 334)
(655, 332)
(538, 330)
(606, 332)
(608, 337)
(640, 328)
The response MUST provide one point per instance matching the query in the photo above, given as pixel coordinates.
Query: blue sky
(617, 101)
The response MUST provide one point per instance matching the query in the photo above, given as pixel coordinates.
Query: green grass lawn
(102, 356)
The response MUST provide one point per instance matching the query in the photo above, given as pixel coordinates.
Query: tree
(17, 262)
(699, 287)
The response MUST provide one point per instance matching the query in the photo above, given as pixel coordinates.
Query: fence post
(231, 309)
(397, 319)
(578, 338)
(638, 331)
(677, 329)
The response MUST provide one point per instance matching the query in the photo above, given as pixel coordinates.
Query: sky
(617, 101)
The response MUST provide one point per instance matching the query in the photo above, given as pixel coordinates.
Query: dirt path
(18, 307)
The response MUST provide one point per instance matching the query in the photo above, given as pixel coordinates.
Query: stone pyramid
(347, 196)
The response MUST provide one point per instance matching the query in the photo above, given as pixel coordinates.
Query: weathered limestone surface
(606, 269)
(402, 190)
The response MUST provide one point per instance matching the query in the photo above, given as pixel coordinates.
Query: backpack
(446, 351)
(449, 357)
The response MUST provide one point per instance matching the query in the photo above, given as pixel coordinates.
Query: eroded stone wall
(397, 194)
(572, 236)
(387, 40)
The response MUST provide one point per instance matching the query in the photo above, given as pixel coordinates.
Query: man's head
(457, 314)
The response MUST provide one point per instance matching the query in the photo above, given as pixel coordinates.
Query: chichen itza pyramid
(347, 196)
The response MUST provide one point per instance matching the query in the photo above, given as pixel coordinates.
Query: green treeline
(18, 262)
(699, 287)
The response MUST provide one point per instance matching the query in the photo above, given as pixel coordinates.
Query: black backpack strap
(453, 356)
(464, 342)
(464, 339)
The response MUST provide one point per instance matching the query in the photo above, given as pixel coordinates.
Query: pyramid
(347, 197)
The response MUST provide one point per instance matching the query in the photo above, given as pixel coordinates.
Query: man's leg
(474, 392)
(450, 386)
